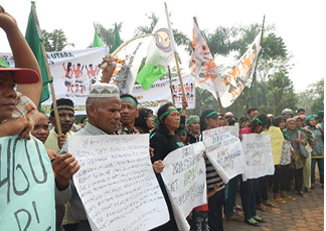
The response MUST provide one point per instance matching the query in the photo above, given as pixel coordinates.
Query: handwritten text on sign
(185, 180)
(224, 151)
(26, 186)
(258, 155)
(116, 182)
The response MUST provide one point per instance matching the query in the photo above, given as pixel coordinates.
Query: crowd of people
(109, 113)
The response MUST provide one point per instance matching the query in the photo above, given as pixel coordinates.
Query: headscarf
(277, 120)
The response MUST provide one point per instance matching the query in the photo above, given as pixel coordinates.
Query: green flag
(117, 40)
(97, 42)
(33, 37)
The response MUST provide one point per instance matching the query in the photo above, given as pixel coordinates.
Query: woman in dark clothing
(164, 140)
(193, 129)
(145, 121)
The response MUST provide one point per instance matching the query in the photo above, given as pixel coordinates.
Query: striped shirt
(212, 177)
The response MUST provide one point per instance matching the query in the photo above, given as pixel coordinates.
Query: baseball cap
(19, 75)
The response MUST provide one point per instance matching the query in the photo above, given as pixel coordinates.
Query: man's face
(128, 113)
(301, 113)
(253, 114)
(7, 96)
(287, 116)
(106, 114)
(66, 117)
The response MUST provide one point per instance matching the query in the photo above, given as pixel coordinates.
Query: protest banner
(116, 182)
(185, 180)
(224, 151)
(258, 156)
(26, 186)
(160, 93)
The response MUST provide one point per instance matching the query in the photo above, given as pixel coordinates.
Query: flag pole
(216, 92)
(55, 109)
(171, 85)
(254, 79)
(175, 55)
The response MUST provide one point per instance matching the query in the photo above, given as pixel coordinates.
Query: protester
(301, 111)
(164, 140)
(193, 129)
(252, 113)
(296, 137)
(317, 155)
(283, 175)
(287, 113)
(145, 121)
(250, 188)
(209, 120)
(182, 133)
(102, 108)
(128, 113)
(244, 122)
(66, 113)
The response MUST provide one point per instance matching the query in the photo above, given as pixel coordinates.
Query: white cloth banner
(224, 151)
(185, 180)
(73, 73)
(160, 93)
(116, 182)
(258, 155)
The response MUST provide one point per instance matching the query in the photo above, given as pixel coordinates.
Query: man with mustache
(66, 117)
(128, 114)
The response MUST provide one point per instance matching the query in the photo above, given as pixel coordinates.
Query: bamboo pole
(175, 55)
(171, 85)
(217, 94)
(54, 101)
(105, 64)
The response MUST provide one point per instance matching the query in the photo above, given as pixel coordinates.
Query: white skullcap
(104, 90)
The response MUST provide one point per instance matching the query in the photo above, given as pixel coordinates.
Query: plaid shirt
(25, 108)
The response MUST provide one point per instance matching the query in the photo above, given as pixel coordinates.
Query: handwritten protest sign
(116, 182)
(26, 186)
(224, 151)
(185, 180)
(258, 155)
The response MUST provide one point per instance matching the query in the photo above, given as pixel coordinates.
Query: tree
(55, 41)
(312, 99)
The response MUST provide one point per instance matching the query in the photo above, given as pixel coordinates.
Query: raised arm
(23, 55)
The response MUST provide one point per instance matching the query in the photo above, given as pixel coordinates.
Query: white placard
(116, 182)
(258, 155)
(185, 180)
(224, 151)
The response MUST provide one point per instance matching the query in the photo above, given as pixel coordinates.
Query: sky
(299, 23)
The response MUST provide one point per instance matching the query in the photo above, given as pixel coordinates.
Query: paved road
(304, 214)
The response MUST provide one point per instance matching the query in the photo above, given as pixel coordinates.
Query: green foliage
(107, 34)
(55, 41)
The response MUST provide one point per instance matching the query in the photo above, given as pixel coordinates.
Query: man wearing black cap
(66, 117)
(128, 113)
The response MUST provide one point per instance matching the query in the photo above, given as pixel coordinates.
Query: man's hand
(7, 22)
(151, 152)
(158, 166)
(108, 64)
(61, 140)
(64, 167)
(16, 126)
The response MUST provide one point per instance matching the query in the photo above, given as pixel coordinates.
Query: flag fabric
(34, 38)
(97, 42)
(203, 67)
(160, 53)
(241, 75)
(117, 40)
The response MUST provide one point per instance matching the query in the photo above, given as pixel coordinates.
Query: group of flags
(160, 54)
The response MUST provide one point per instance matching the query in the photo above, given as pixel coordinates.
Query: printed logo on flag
(163, 40)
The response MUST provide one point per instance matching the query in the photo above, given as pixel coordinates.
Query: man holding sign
(26, 189)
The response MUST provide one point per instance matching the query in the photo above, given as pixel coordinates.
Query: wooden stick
(105, 64)
(171, 85)
(54, 101)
